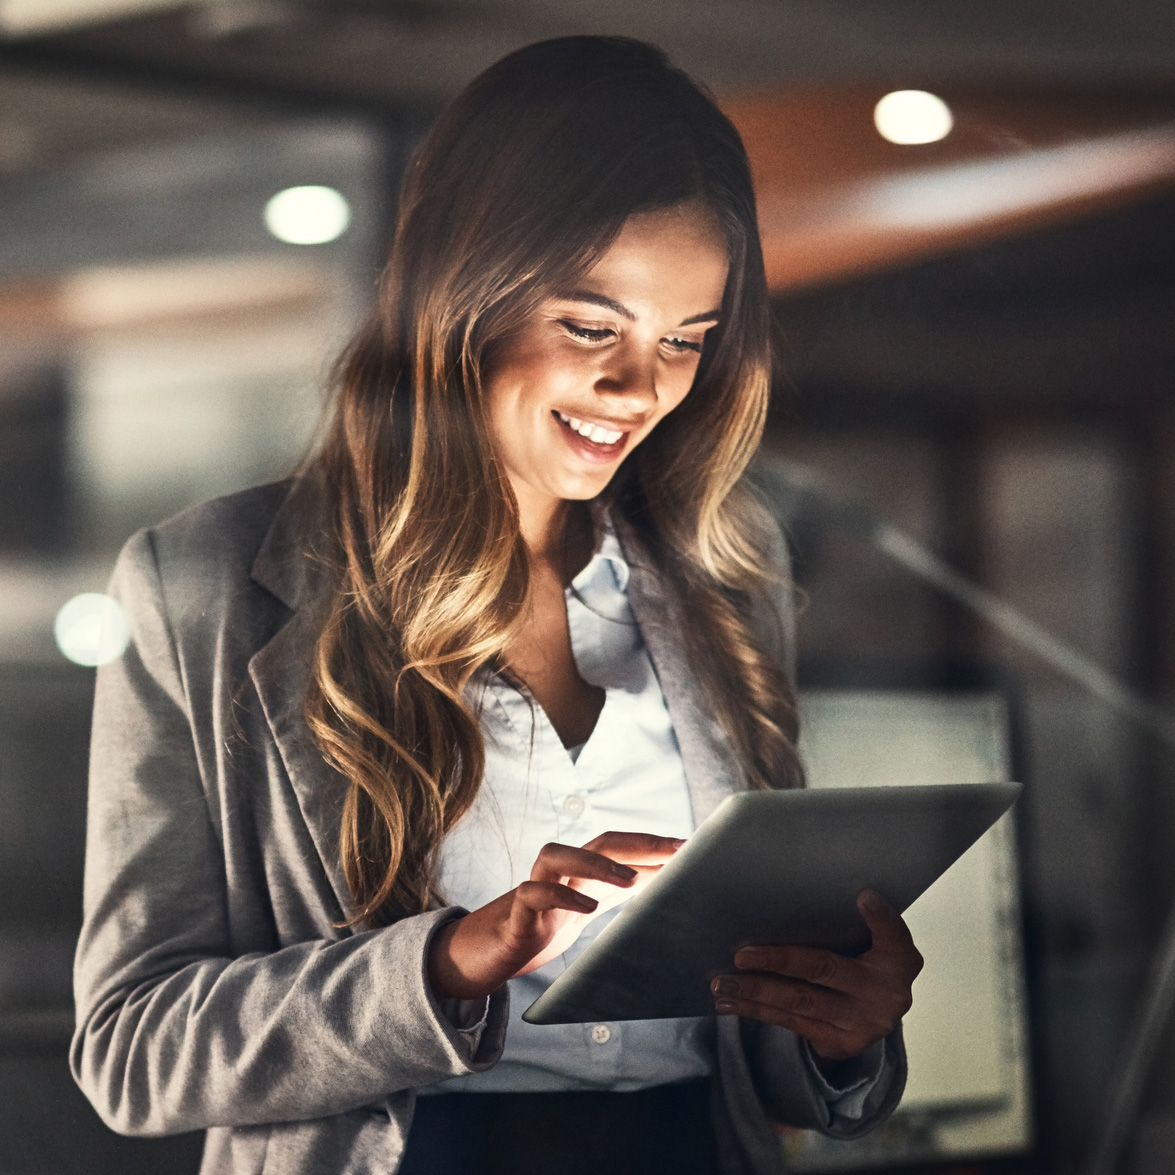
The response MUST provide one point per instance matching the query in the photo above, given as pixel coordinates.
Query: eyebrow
(594, 299)
(709, 316)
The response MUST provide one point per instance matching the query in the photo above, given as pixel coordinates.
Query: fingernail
(725, 986)
(676, 841)
(724, 1006)
(749, 958)
(871, 900)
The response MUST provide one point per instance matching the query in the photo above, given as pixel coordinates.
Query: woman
(514, 604)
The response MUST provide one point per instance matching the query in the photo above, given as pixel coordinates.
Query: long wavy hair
(522, 183)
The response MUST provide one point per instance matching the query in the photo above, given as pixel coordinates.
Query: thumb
(885, 924)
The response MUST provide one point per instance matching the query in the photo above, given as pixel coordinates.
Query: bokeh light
(912, 116)
(308, 215)
(92, 629)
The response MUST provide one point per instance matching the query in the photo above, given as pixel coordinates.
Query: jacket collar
(710, 770)
(285, 564)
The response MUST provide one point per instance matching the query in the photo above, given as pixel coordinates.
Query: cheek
(677, 383)
(523, 389)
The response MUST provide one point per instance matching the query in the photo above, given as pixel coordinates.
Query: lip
(590, 450)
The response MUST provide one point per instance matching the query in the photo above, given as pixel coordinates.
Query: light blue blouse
(628, 776)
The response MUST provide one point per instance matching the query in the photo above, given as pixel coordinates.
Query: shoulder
(200, 561)
(222, 535)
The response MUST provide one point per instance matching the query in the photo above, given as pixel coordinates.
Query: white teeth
(593, 432)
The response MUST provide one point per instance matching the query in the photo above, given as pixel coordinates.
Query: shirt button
(601, 1033)
(573, 805)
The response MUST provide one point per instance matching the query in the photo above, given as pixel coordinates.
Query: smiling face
(594, 369)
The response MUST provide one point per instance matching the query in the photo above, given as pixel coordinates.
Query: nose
(631, 376)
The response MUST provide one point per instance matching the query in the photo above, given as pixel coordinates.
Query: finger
(790, 995)
(891, 935)
(884, 922)
(830, 1042)
(528, 925)
(812, 964)
(556, 861)
(635, 848)
(540, 896)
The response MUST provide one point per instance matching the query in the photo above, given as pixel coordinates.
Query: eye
(588, 334)
(681, 345)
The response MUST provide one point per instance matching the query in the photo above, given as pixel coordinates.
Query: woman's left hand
(839, 1005)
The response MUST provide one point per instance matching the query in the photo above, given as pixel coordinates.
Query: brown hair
(524, 180)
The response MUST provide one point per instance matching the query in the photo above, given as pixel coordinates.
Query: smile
(593, 432)
(591, 442)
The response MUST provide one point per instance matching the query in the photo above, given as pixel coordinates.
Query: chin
(582, 489)
(580, 492)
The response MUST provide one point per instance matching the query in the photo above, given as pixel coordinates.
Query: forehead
(665, 260)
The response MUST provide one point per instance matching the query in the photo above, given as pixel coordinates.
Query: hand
(533, 923)
(839, 1005)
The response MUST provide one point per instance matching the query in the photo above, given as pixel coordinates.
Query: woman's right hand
(532, 924)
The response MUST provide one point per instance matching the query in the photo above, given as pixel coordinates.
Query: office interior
(971, 446)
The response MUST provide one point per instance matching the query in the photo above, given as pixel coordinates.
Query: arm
(175, 1033)
(826, 1048)
(794, 1091)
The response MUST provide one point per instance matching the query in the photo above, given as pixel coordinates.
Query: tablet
(768, 867)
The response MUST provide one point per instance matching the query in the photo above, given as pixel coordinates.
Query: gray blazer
(215, 989)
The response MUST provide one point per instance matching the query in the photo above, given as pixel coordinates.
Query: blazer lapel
(280, 672)
(710, 769)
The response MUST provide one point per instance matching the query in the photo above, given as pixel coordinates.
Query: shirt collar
(608, 559)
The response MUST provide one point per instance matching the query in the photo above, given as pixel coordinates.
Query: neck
(544, 525)
(542, 521)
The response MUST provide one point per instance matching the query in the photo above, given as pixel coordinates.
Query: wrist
(448, 979)
(443, 978)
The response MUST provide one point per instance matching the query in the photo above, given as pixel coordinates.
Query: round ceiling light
(912, 116)
(308, 215)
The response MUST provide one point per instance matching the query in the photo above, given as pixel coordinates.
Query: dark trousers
(664, 1129)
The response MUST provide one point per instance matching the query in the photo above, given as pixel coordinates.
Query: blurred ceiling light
(308, 215)
(92, 629)
(894, 218)
(912, 116)
(992, 189)
(30, 17)
(115, 297)
(216, 20)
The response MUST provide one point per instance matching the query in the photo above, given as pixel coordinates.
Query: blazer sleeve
(173, 1032)
(792, 1090)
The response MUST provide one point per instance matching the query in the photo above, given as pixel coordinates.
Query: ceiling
(98, 77)
(405, 51)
